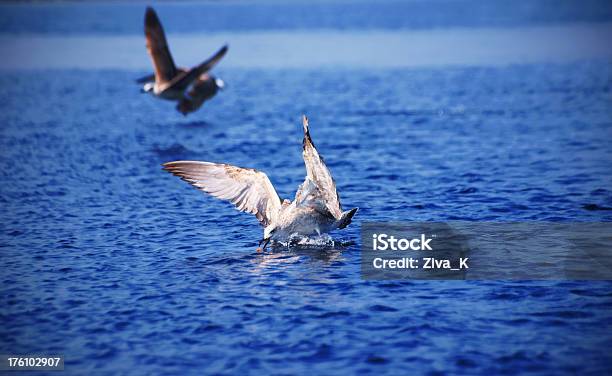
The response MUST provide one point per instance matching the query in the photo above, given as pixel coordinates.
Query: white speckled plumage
(316, 208)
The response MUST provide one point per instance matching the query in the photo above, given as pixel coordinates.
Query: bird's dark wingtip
(307, 138)
(222, 51)
(151, 17)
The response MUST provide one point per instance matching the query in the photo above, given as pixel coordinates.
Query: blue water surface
(116, 17)
(124, 269)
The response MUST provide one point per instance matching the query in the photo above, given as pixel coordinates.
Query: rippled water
(117, 264)
(123, 268)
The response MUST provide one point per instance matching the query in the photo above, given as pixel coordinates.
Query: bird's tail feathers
(145, 79)
(346, 218)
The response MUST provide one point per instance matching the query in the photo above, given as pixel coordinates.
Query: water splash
(317, 241)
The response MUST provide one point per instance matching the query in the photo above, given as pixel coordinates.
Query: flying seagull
(171, 83)
(316, 208)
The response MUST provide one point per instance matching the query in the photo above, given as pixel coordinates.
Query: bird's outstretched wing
(182, 81)
(248, 189)
(165, 70)
(318, 173)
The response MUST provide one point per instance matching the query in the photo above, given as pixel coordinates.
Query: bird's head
(220, 83)
(148, 87)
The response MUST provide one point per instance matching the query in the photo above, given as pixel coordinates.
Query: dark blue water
(116, 264)
(123, 268)
(239, 15)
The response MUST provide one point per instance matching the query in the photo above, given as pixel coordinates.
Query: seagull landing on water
(316, 208)
(171, 83)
